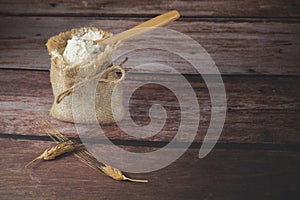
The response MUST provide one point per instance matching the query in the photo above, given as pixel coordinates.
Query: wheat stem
(37, 158)
(134, 180)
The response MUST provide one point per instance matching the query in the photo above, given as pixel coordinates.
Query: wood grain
(189, 8)
(260, 109)
(223, 174)
(247, 47)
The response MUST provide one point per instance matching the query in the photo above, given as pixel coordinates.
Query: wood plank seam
(160, 144)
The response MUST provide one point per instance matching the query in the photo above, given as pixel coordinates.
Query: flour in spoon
(82, 50)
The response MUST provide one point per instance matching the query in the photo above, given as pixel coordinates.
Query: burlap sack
(63, 77)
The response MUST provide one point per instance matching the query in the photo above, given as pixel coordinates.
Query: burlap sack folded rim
(58, 44)
(60, 68)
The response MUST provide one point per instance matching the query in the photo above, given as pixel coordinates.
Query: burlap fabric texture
(66, 79)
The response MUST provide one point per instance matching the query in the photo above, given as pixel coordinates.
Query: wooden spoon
(149, 25)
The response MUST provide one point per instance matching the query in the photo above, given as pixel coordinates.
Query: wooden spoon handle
(151, 24)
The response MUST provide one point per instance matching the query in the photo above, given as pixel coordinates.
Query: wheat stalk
(52, 132)
(86, 159)
(83, 155)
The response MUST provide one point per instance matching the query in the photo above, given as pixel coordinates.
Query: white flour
(81, 50)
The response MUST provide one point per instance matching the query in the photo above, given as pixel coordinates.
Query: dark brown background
(255, 44)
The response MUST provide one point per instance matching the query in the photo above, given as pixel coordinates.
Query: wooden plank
(223, 174)
(243, 92)
(260, 109)
(190, 8)
(245, 47)
(240, 127)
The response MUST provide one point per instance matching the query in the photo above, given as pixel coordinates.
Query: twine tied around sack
(76, 86)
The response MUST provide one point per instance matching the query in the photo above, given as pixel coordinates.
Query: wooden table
(255, 45)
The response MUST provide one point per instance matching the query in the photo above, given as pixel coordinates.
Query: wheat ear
(117, 174)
